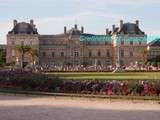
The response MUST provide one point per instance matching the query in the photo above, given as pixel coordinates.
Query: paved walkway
(59, 108)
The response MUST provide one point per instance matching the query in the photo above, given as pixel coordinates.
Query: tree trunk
(22, 60)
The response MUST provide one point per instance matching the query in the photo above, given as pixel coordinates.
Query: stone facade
(21, 34)
(154, 49)
(74, 47)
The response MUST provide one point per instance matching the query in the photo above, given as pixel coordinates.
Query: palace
(121, 45)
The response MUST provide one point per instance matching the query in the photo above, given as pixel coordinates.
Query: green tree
(23, 49)
(2, 57)
(142, 54)
(33, 54)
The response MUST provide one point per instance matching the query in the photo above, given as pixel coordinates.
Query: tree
(33, 54)
(142, 54)
(2, 57)
(23, 49)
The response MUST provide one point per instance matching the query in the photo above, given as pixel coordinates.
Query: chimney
(121, 24)
(15, 23)
(137, 23)
(107, 31)
(113, 27)
(75, 26)
(32, 22)
(65, 29)
(82, 29)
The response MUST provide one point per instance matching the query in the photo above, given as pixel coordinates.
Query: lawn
(107, 75)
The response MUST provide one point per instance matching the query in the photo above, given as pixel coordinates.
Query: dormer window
(140, 43)
(122, 42)
(131, 42)
(99, 53)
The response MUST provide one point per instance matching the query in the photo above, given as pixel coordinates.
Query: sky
(50, 16)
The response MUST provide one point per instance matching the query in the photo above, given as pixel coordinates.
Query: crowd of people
(98, 68)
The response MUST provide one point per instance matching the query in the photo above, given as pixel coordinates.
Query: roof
(71, 32)
(155, 43)
(128, 28)
(24, 28)
(74, 31)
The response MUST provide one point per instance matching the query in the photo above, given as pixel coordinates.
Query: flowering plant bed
(29, 81)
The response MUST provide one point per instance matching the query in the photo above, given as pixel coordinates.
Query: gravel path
(59, 108)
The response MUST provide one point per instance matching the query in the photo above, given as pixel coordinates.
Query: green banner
(93, 38)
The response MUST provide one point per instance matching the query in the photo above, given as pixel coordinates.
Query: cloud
(94, 14)
(79, 3)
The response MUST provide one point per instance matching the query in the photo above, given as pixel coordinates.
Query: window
(99, 53)
(81, 52)
(89, 43)
(13, 53)
(72, 52)
(12, 43)
(122, 42)
(90, 53)
(53, 54)
(131, 54)
(76, 54)
(140, 42)
(131, 42)
(62, 54)
(44, 54)
(122, 53)
(108, 53)
(98, 62)
(44, 42)
(106, 43)
(22, 42)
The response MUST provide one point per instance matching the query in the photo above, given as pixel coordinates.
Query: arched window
(122, 42)
(99, 53)
(131, 54)
(13, 53)
(131, 42)
(90, 53)
(53, 54)
(98, 62)
(22, 42)
(76, 54)
(62, 54)
(122, 53)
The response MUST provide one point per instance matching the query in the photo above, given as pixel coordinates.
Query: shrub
(157, 88)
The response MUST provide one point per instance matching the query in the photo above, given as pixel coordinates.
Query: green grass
(107, 75)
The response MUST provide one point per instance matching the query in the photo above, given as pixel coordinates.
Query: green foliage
(23, 48)
(157, 86)
(11, 63)
(2, 57)
(30, 81)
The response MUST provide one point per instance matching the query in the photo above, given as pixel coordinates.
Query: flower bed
(26, 80)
